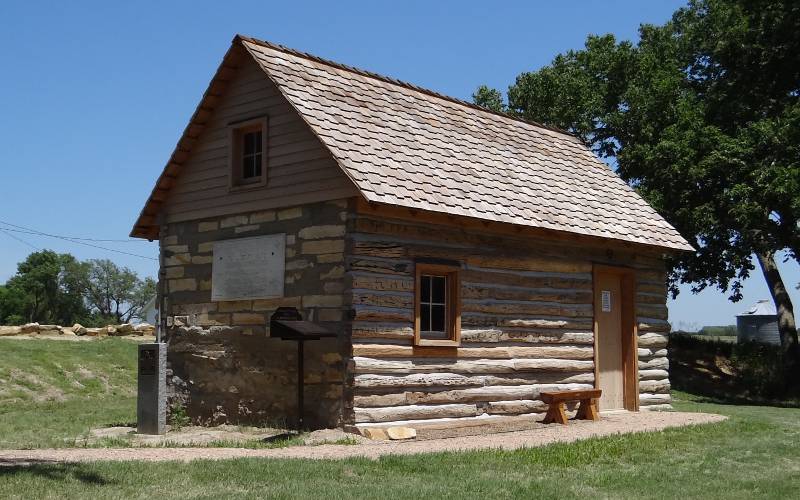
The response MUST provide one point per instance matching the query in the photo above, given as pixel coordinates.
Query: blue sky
(95, 94)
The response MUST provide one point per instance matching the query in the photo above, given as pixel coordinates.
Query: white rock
(66, 330)
(124, 329)
(145, 329)
(375, 433)
(30, 328)
(49, 330)
(399, 432)
(95, 332)
(78, 329)
(10, 330)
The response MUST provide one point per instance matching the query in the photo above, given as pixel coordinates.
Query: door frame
(630, 358)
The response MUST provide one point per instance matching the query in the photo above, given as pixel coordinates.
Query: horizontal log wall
(526, 316)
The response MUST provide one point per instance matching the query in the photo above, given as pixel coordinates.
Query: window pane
(248, 167)
(249, 143)
(437, 318)
(257, 160)
(257, 139)
(424, 318)
(439, 285)
(425, 288)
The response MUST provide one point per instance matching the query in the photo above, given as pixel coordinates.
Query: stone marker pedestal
(151, 406)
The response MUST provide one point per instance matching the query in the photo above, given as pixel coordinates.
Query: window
(248, 154)
(251, 154)
(433, 306)
(438, 316)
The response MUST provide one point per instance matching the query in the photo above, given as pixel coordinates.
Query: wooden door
(608, 313)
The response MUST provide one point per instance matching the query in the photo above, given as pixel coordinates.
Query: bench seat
(587, 410)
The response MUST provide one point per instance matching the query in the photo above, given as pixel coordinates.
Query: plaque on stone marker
(248, 268)
(147, 361)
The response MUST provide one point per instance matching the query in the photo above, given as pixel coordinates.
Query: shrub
(14, 319)
(177, 416)
(750, 372)
(718, 331)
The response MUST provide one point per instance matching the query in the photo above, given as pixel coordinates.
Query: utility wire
(66, 238)
(19, 239)
(23, 229)
(74, 238)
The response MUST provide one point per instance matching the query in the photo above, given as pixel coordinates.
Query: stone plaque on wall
(248, 268)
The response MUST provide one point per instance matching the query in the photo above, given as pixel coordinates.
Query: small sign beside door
(605, 301)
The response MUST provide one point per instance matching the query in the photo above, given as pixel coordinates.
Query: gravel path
(576, 430)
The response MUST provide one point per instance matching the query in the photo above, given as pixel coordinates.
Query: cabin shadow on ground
(51, 470)
(724, 373)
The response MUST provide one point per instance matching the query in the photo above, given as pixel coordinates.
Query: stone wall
(223, 365)
(223, 374)
(125, 329)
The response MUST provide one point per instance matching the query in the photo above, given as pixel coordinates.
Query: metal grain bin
(758, 324)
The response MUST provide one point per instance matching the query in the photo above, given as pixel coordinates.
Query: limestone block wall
(223, 365)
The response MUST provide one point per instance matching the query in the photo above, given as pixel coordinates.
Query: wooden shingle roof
(406, 146)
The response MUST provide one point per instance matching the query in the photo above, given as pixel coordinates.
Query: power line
(73, 238)
(23, 229)
(66, 238)
(20, 239)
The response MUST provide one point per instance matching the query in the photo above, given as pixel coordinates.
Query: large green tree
(489, 98)
(702, 117)
(11, 307)
(56, 288)
(46, 289)
(114, 292)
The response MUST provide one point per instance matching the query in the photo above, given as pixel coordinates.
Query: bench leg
(587, 410)
(555, 413)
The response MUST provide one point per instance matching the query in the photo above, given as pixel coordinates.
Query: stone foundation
(222, 375)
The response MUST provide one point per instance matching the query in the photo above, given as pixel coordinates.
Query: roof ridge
(395, 81)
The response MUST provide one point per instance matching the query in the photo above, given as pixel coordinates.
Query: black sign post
(287, 324)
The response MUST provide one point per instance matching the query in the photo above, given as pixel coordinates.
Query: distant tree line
(707, 331)
(53, 288)
(718, 331)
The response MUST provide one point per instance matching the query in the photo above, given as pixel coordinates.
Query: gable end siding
(300, 169)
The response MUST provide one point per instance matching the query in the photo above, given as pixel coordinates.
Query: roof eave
(146, 226)
(549, 233)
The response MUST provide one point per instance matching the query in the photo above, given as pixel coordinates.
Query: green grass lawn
(755, 453)
(53, 391)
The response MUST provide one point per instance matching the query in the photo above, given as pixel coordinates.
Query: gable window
(438, 316)
(248, 154)
(252, 154)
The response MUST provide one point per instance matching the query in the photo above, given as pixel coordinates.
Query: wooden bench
(556, 399)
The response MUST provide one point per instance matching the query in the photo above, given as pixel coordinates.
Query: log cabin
(466, 260)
